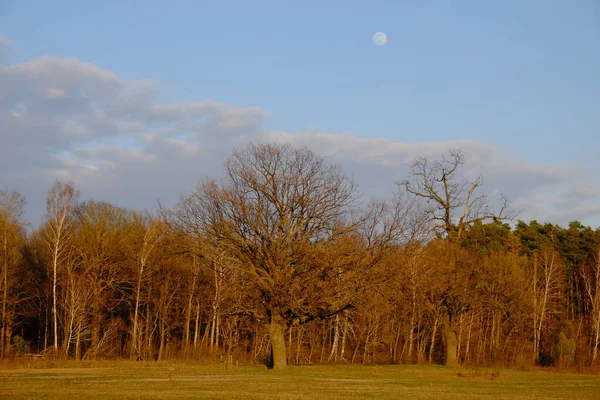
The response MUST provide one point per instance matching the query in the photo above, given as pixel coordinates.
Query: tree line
(280, 262)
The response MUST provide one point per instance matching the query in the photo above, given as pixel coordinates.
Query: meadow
(131, 380)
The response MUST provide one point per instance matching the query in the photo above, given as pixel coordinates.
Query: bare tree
(78, 293)
(101, 243)
(61, 201)
(454, 205)
(275, 205)
(148, 232)
(546, 291)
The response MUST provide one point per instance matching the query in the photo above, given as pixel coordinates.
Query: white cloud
(186, 148)
(171, 111)
(54, 93)
(378, 150)
(69, 119)
(240, 118)
(55, 72)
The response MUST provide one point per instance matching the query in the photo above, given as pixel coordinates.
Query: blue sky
(521, 77)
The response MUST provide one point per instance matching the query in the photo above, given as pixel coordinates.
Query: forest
(282, 261)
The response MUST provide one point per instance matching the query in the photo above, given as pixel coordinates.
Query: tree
(12, 238)
(534, 236)
(60, 203)
(577, 245)
(147, 233)
(454, 207)
(100, 238)
(273, 216)
(591, 278)
(487, 238)
(547, 269)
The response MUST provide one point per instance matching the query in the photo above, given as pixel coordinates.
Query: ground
(129, 380)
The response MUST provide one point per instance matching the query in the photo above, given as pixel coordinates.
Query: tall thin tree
(60, 203)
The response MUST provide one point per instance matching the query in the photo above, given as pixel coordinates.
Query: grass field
(124, 380)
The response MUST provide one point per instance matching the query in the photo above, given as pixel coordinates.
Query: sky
(138, 101)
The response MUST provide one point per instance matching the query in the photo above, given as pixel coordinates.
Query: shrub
(19, 346)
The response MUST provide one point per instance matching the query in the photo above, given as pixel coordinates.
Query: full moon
(380, 38)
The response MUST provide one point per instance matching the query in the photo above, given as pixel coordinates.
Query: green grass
(129, 380)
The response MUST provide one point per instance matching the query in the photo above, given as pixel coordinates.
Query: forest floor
(131, 380)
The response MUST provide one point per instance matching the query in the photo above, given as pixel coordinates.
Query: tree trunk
(460, 331)
(188, 314)
(217, 330)
(336, 337)
(344, 335)
(72, 310)
(9, 332)
(95, 322)
(4, 339)
(289, 347)
(213, 326)
(411, 333)
(421, 346)
(161, 347)
(433, 334)
(205, 338)
(54, 299)
(468, 344)
(78, 342)
(366, 347)
(395, 343)
(46, 329)
(135, 351)
(148, 331)
(299, 330)
(197, 326)
(596, 337)
(277, 335)
(451, 342)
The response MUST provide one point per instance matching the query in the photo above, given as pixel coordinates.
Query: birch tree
(147, 233)
(60, 203)
(547, 268)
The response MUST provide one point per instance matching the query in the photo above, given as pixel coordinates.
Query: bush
(19, 346)
(563, 352)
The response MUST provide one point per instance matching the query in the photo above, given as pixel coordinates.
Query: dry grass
(131, 380)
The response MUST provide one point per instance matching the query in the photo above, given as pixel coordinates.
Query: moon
(380, 38)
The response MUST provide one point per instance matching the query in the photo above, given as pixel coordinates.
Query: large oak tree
(274, 216)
